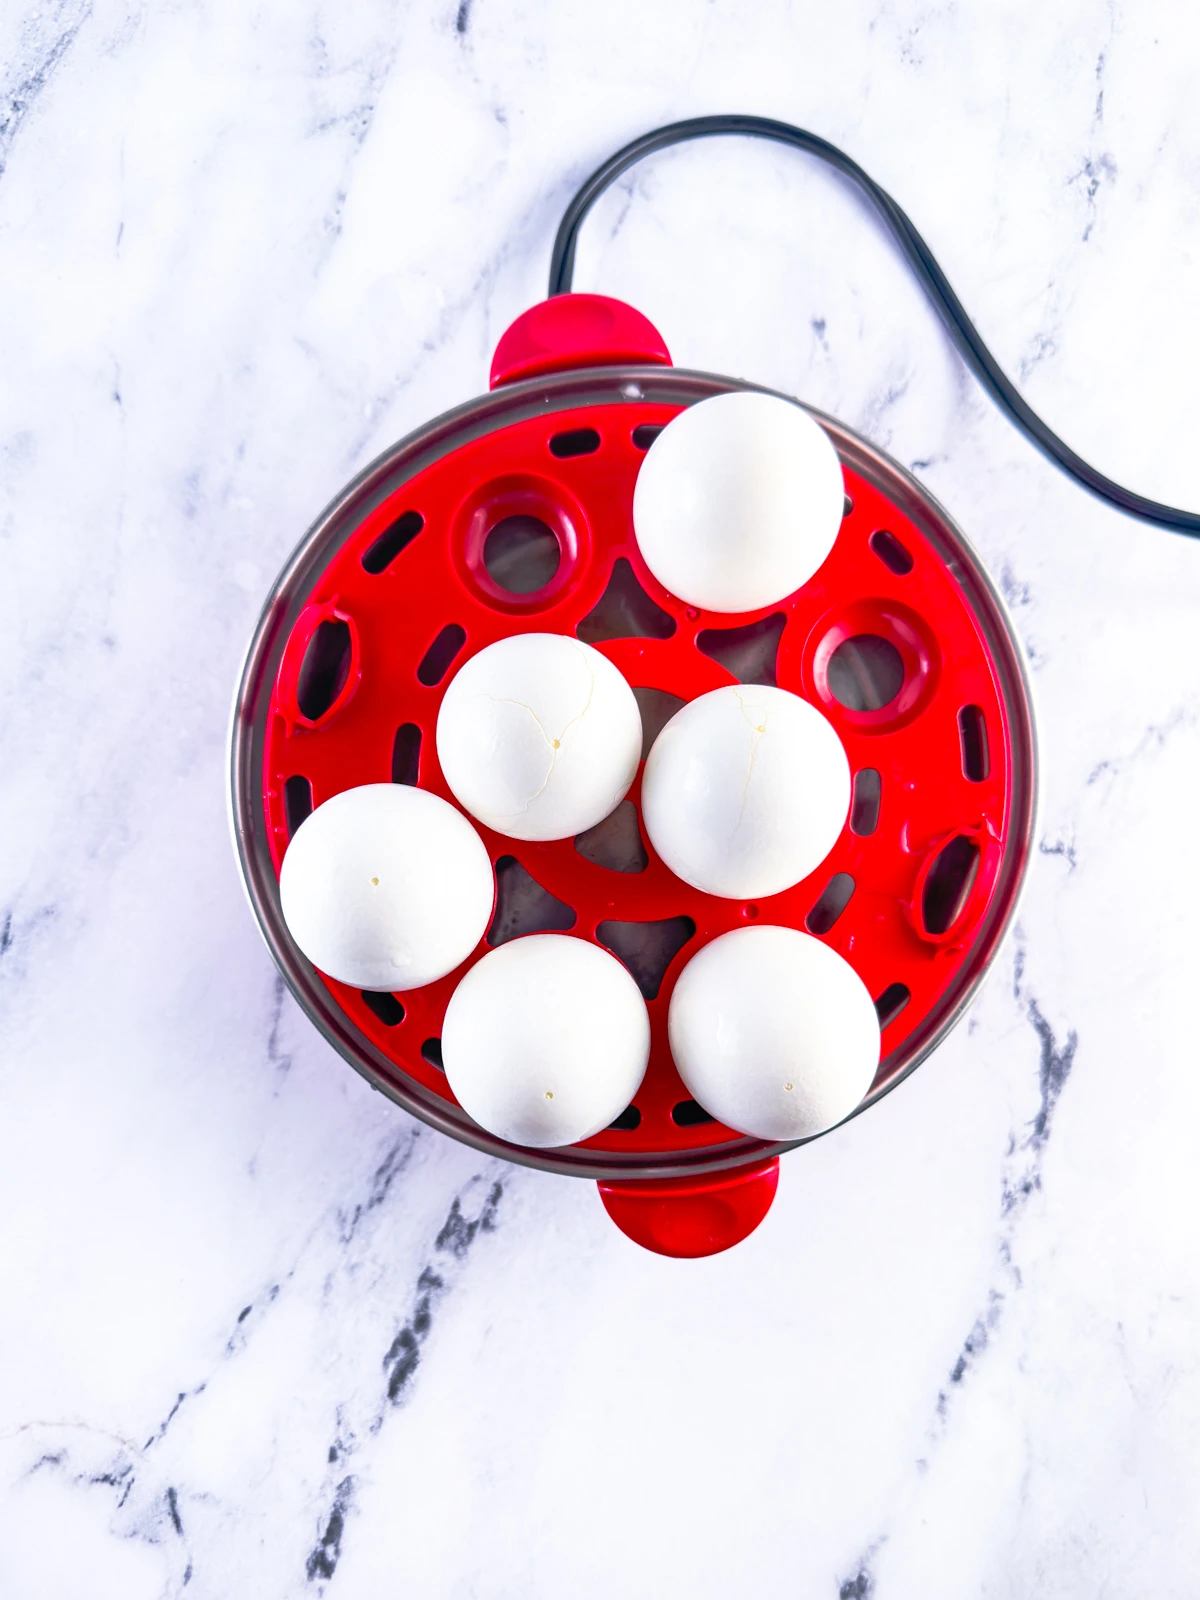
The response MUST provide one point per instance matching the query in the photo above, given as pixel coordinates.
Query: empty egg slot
(521, 554)
(385, 1006)
(625, 611)
(973, 738)
(891, 1003)
(615, 843)
(948, 884)
(575, 442)
(431, 1051)
(645, 434)
(847, 506)
(891, 552)
(749, 653)
(379, 555)
(406, 754)
(297, 802)
(523, 906)
(629, 1119)
(657, 707)
(647, 948)
(435, 663)
(864, 806)
(690, 1114)
(325, 668)
(865, 673)
(832, 901)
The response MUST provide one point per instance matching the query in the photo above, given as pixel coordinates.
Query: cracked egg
(539, 736)
(745, 791)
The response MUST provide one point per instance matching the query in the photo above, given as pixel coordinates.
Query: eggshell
(745, 791)
(546, 1040)
(539, 736)
(738, 501)
(386, 887)
(773, 1033)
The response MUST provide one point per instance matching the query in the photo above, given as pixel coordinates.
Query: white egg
(539, 736)
(773, 1033)
(738, 501)
(546, 1040)
(745, 791)
(386, 887)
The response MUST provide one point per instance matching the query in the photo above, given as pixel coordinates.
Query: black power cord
(920, 258)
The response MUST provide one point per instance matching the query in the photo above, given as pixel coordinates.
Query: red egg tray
(408, 597)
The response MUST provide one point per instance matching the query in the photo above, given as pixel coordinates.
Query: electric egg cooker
(900, 639)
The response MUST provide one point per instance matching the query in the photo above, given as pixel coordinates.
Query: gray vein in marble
(17, 935)
(1154, 738)
(276, 1054)
(1016, 593)
(1063, 847)
(89, 1458)
(156, 1507)
(1022, 1175)
(48, 37)
(1021, 1178)
(861, 1584)
(472, 1213)
(357, 122)
(449, 319)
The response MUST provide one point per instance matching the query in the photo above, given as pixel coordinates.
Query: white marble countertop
(261, 1333)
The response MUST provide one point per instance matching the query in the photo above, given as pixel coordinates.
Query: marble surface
(262, 1334)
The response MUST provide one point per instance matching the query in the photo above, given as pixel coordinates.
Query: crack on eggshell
(758, 730)
(507, 700)
(554, 744)
(591, 672)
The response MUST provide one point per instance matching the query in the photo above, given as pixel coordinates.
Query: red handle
(690, 1217)
(576, 330)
